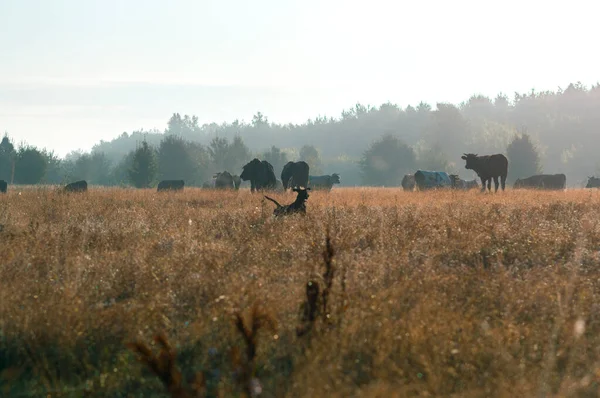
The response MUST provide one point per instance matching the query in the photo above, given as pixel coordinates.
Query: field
(419, 294)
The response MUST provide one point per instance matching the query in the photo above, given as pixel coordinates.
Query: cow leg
(496, 183)
(482, 184)
(252, 186)
(503, 181)
(489, 184)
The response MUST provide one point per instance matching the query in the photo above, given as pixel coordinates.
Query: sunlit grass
(444, 293)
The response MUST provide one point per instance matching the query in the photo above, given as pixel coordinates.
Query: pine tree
(144, 167)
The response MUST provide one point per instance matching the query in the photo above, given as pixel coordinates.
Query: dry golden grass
(431, 294)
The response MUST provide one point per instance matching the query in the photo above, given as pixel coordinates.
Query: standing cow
(488, 167)
(408, 182)
(260, 174)
(295, 174)
(593, 182)
(77, 186)
(543, 181)
(170, 185)
(3, 186)
(323, 182)
(224, 180)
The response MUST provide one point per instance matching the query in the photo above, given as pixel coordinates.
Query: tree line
(550, 131)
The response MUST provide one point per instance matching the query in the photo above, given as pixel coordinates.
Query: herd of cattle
(260, 174)
(295, 175)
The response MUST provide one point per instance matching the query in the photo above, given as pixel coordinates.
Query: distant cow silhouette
(298, 206)
(543, 181)
(459, 183)
(295, 174)
(224, 180)
(593, 182)
(3, 186)
(488, 167)
(432, 179)
(323, 182)
(77, 186)
(260, 174)
(170, 185)
(408, 182)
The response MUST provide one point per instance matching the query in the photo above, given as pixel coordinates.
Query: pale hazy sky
(73, 72)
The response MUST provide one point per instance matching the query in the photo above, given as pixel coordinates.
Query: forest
(539, 131)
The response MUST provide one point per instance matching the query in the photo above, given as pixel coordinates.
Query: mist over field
(132, 265)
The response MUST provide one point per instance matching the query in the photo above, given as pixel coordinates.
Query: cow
(408, 182)
(237, 181)
(459, 183)
(323, 182)
(170, 185)
(298, 206)
(543, 181)
(77, 186)
(260, 174)
(295, 174)
(432, 179)
(224, 180)
(593, 182)
(488, 167)
(3, 186)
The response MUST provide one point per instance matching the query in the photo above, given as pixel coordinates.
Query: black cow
(593, 182)
(408, 182)
(260, 174)
(3, 186)
(298, 206)
(170, 185)
(323, 182)
(77, 186)
(543, 181)
(295, 174)
(488, 167)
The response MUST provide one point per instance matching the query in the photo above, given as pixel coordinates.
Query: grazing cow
(298, 206)
(170, 185)
(408, 182)
(593, 182)
(323, 182)
(3, 186)
(488, 167)
(432, 179)
(459, 183)
(260, 174)
(543, 181)
(77, 186)
(295, 174)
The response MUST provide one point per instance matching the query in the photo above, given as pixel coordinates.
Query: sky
(73, 72)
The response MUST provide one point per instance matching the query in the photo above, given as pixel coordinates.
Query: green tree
(180, 159)
(30, 165)
(277, 158)
(432, 158)
(144, 166)
(310, 155)
(523, 158)
(386, 161)
(54, 171)
(7, 159)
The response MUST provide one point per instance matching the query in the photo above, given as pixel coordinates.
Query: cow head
(472, 160)
(335, 178)
(251, 170)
